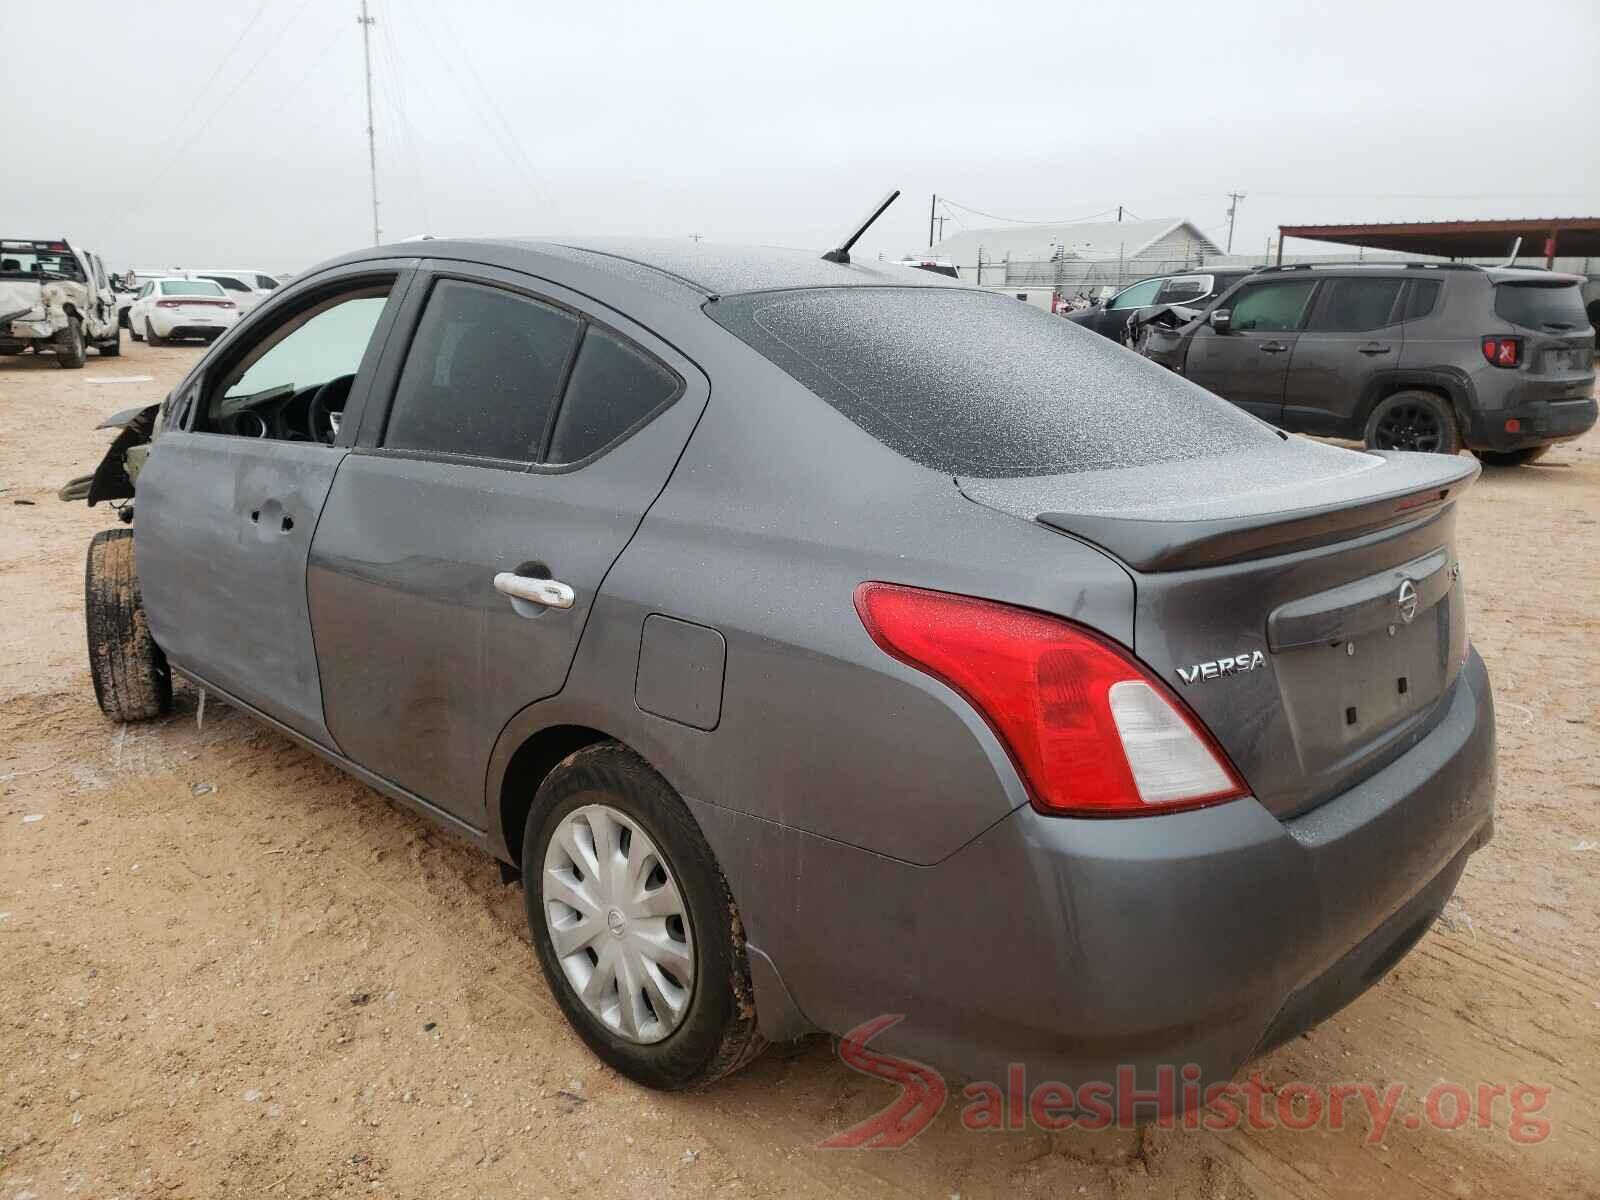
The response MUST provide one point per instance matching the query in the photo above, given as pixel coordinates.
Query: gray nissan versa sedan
(823, 641)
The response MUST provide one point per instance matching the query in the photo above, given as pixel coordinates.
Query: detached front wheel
(634, 924)
(132, 681)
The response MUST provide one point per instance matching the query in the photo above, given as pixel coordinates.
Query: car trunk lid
(1307, 607)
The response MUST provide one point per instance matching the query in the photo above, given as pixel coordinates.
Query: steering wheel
(327, 408)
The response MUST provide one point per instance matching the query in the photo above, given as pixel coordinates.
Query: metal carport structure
(1564, 236)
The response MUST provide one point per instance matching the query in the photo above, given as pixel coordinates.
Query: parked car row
(246, 287)
(1401, 356)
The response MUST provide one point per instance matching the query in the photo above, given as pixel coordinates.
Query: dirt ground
(226, 969)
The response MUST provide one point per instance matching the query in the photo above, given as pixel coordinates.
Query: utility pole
(1119, 214)
(366, 24)
(933, 203)
(1233, 207)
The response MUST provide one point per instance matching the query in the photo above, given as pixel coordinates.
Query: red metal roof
(1574, 236)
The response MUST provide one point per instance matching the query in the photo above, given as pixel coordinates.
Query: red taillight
(1091, 731)
(169, 303)
(1502, 351)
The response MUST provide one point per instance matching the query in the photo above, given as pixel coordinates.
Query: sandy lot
(228, 970)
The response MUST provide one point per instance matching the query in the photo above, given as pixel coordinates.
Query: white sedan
(181, 308)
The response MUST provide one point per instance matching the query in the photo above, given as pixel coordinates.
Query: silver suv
(1405, 356)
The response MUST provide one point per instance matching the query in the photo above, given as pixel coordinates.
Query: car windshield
(34, 260)
(190, 287)
(973, 383)
(1541, 305)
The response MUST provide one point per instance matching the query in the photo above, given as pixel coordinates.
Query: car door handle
(551, 593)
(1273, 347)
(1375, 348)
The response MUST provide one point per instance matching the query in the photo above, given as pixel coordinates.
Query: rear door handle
(551, 593)
(1273, 347)
(1375, 348)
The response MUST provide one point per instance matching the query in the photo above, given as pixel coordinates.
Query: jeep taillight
(1502, 351)
(1092, 732)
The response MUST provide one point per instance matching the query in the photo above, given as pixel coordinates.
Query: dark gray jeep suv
(822, 641)
(1408, 356)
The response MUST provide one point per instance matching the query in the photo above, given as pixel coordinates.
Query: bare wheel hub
(618, 923)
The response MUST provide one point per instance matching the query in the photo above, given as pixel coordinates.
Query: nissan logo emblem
(1407, 600)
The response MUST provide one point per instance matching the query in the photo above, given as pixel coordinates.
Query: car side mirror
(1221, 321)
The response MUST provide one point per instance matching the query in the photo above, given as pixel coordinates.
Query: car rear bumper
(1536, 424)
(1102, 951)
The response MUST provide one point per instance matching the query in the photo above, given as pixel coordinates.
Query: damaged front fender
(114, 478)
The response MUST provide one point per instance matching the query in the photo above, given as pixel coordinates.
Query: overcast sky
(232, 132)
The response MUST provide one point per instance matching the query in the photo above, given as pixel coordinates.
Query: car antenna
(841, 254)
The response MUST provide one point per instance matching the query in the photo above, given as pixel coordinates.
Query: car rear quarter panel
(779, 508)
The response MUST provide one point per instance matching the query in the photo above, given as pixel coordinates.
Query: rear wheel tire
(150, 334)
(133, 332)
(70, 350)
(132, 681)
(1512, 458)
(615, 867)
(1420, 421)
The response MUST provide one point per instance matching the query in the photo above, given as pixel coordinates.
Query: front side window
(614, 387)
(266, 283)
(277, 389)
(482, 375)
(1140, 295)
(1270, 307)
(1351, 305)
(229, 282)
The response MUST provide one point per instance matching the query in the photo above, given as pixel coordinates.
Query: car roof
(710, 268)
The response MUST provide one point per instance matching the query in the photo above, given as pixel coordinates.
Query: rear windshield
(38, 260)
(190, 287)
(974, 383)
(1541, 306)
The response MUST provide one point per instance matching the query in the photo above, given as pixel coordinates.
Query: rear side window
(482, 375)
(1347, 305)
(1540, 306)
(1270, 307)
(973, 383)
(613, 388)
(229, 282)
(1185, 287)
(1424, 294)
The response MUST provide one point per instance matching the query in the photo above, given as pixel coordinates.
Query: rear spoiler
(1325, 512)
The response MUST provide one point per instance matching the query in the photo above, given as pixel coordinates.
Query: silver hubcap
(618, 923)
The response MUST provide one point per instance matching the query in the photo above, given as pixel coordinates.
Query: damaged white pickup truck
(55, 299)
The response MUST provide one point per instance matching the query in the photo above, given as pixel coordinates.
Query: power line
(238, 85)
(1025, 220)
